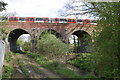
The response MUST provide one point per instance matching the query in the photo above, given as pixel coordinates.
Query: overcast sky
(35, 8)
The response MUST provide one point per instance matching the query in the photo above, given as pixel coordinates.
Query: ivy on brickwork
(2, 31)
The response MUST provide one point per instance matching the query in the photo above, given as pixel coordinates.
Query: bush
(106, 55)
(52, 46)
(82, 61)
(8, 66)
(26, 46)
(9, 57)
(7, 71)
(105, 65)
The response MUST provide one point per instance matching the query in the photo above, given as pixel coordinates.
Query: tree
(107, 54)
(51, 46)
(2, 6)
(26, 46)
(106, 57)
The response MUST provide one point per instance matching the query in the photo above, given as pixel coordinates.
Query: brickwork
(35, 29)
(60, 28)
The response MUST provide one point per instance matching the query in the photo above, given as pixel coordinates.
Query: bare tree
(93, 9)
(8, 14)
(108, 43)
(2, 6)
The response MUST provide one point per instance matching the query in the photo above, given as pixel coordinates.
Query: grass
(55, 66)
(22, 66)
(7, 71)
(81, 61)
(8, 66)
(68, 72)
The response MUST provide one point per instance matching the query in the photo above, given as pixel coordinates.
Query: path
(17, 72)
(43, 72)
(34, 69)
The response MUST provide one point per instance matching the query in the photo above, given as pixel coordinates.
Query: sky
(37, 8)
(34, 8)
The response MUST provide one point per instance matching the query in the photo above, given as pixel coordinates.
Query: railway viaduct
(62, 30)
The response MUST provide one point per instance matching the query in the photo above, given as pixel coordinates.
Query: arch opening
(13, 38)
(80, 42)
(51, 31)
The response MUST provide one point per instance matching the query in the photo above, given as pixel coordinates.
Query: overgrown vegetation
(55, 66)
(106, 57)
(105, 60)
(82, 61)
(24, 46)
(52, 46)
(8, 66)
(2, 30)
(23, 68)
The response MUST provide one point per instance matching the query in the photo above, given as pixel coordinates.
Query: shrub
(9, 57)
(7, 71)
(82, 61)
(52, 46)
(8, 66)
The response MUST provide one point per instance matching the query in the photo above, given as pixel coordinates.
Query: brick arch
(35, 29)
(52, 31)
(84, 41)
(87, 28)
(13, 36)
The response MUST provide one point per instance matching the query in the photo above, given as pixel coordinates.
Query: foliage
(52, 46)
(68, 72)
(2, 6)
(9, 57)
(1, 33)
(2, 30)
(104, 65)
(20, 42)
(55, 66)
(81, 61)
(8, 67)
(38, 58)
(82, 45)
(26, 46)
(7, 71)
(22, 66)
(106, 57)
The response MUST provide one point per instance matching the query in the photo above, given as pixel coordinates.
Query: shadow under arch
(13, 36)
(51, 31)
(83, 43)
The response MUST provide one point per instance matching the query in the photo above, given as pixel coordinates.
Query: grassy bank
(8, 65)
(55, 66)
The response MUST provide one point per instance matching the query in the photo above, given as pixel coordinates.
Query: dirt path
(37, 71)
(17, 72)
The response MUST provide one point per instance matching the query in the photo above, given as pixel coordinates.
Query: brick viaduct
(15, 29)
